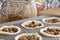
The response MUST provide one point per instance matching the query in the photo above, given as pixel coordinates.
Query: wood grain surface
(51, 11)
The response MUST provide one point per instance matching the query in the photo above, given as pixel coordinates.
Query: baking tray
(24, 30)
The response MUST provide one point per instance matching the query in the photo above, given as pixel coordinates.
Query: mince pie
(52, 20)
(28, 36)
(51, 31)
(9, 30)
(32, 24)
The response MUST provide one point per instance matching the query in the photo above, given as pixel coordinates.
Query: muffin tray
(24, 30)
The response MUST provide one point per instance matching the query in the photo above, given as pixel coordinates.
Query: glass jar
(40, 6)
(26, 8)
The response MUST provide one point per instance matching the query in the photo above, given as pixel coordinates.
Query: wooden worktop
(53, 11)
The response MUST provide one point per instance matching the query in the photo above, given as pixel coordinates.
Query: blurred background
(46, 4)
(41, 5)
